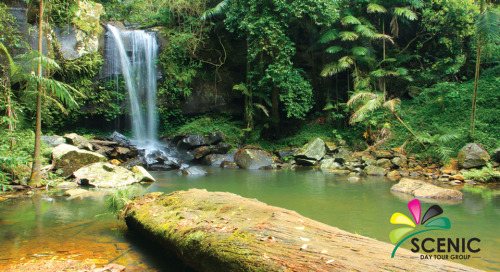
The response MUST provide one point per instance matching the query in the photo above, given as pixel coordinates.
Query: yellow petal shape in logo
(399, 218)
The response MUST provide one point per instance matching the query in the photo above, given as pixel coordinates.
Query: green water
(57, 227)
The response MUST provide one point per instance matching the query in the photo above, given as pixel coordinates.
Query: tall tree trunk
(35, 170)
(275, 114)
(474, 96)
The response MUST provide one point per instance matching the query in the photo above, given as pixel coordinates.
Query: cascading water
(133, 54)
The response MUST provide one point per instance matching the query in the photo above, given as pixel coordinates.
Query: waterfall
(133, 54)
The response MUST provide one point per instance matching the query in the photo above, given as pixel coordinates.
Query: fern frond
(348, 36)
(362, 112)
(365, 31)
(359, 51)
(359, 97)
(262, 107)
(488, 25)
(375, 8)
(406, 12)
(350, 20)
(329, 36)
(334, 49)
(392, 104)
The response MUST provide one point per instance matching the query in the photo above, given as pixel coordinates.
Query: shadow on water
(154, 256)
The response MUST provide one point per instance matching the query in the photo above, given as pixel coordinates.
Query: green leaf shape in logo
(396, 234)
(441, 222)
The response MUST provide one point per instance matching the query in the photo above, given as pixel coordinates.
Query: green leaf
(218, 10)
(365, 31)
(375, 8)
(350, 20)
(329, 36)
(359, 51)
(488, 26)
(345, 62)
(406, 12)
(334, 49)
(348, 36)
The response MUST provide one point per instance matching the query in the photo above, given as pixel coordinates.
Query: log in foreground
(226, 232)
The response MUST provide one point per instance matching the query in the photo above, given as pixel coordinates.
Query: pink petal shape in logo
(414, 207)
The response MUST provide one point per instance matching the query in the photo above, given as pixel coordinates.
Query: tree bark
(474, 96)
(35, 170)
(214, 231)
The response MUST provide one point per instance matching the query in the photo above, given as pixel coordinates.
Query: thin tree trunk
(474, 97)
(408, 128)
(35, 171)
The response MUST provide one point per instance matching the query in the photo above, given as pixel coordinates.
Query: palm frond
(375, 8)
(365, 31)
(379, 73)
(488, 25)
(402, 71)
(359, 97)
(350, 20)
(58, 104)
(424, 137)
(243, 88)
(362, 84)
(5, 52)
(362, 112)
(264, 97)
(392, 104)
(406, 12)
(57, 89)
(345, 62)
(262, 107)
(359, 51)
(329, 36)
(414, 3)
(443, 139)
(334, 49)
(380, 36)
(331, 69)
(348, 36)
(220, 9)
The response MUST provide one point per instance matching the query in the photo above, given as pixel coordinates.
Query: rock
(497, 154)
(123, 153)
(382, 154)
(331, 147)
(313, 150)
(78, 141)
(286, 153)
(444, 180)
(202, 151)
(344, 155)
(105, 175)
(217, 159)
(340, 172)
(473, 156)
(384, 163)
(119, 138)
(469, 181)
(228, 164)
(372, 170)
(328, 164)
(456, 182)
(133, 162)
(222, 148)
(75, 192)
(53, 141)
(141, 174)
(160, 167)
(400, 161)
(393, 174)
(193, 171)
(254, 159)
(115, 162)
(457, 177)
(421, 189)
(68, 158)
(353, 179)
(306, 162)
(192, 141)
(66, 184)
(216, 137)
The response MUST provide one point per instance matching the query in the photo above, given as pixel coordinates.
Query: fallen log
(226, 232)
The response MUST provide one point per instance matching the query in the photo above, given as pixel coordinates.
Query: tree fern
(350, 20)
(329, 36)
(375, 8)
(406, 13)
(348, 36)
(334, 49)
(488, 25)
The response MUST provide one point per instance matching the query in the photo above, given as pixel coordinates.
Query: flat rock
(78, 141)
(54, 140)
(382, 154)
(191, 141)
(141, 174)
(421, 189)
(372, 170)
(217, 159)
(75, 192)
(69, 158)
(119, 138)
(105, 175)
(193, 171)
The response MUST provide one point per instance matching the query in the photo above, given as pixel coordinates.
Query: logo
(441, 223)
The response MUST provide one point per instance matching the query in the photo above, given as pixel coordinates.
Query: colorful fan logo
(441, 223)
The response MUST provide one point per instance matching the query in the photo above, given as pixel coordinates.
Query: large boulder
(142, 174)
(217, 159)
(372, 170)
(53, 141)
(68, 158)
(329, 164)
(78, 141)
(313, 150)
(473, 156)
(192, 141)
(216, 137)
(107, 175)
(421, 189)
(119, 138)
(382, 154)
(254, 159)
(193, 171)
(384, 163)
